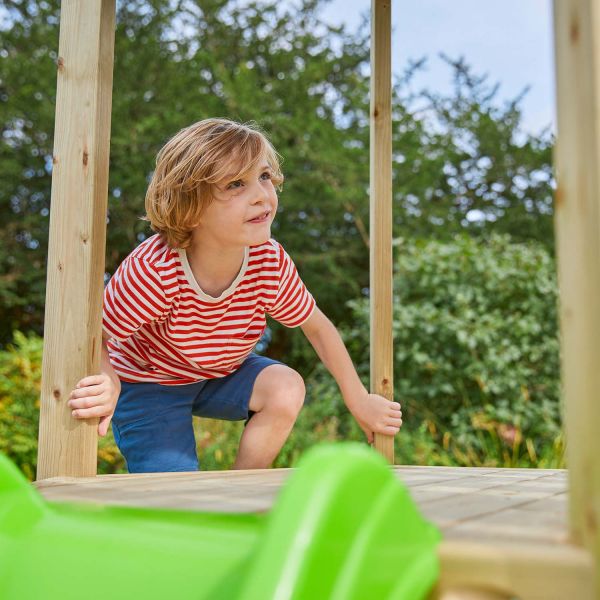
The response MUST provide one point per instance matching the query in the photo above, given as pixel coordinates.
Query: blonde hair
(191, 163)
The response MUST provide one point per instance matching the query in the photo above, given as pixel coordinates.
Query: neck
(214, 258)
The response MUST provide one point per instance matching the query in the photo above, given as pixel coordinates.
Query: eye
(233, 186)
(268, 174)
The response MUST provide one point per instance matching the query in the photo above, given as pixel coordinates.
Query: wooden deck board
(478, 503)
(494, 521)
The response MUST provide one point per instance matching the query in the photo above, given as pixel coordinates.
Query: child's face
(242, 210)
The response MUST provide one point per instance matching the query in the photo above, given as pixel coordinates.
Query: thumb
(103, 425)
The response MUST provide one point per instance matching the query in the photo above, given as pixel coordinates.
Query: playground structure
(505, 530)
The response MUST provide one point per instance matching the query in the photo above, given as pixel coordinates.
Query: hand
(95, 396)
(376, 414)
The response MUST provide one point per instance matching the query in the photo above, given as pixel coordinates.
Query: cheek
(235, 212)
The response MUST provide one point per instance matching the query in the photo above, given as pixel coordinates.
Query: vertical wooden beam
(72, 328)
(381, 211)
(577, 224)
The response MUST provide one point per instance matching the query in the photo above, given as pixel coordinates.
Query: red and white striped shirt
(165, 329)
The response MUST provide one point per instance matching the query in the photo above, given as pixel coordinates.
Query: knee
(282, 390)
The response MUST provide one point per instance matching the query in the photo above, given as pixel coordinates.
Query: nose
(259, 194)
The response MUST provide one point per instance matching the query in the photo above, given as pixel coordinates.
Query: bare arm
(373, 413)
(325, 339)
(105, 366)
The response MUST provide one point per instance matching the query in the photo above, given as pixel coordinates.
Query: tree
(477, 171)
(306, 83)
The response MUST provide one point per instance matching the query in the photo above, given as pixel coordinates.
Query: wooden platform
(497, 504)
(503, 527)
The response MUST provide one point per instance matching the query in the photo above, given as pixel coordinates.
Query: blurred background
(476, 340)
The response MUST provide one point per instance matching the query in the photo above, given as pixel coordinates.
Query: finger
(94, 390)
(395, 405)
(389, 430)
(88, 413)
(368, 434)
(90, 380)
(86, 402)
(394, 422)
(103, 425)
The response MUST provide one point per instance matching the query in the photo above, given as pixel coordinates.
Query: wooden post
(577, 222)
(381, 211)
(72, 328)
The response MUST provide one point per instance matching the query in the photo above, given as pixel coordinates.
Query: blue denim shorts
(152, 423)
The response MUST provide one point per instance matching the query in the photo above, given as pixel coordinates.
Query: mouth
(261, 218)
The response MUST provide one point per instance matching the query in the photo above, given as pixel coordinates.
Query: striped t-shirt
(165, 329)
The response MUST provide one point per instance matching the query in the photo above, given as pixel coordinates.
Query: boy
(184, 310)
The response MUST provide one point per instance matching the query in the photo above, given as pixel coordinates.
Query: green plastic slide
(343, 528)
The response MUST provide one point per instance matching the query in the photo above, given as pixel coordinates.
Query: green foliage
(472, 168)
(476, 344)
(20, 376)
(20, 379)
(217, 442)
(307, 84)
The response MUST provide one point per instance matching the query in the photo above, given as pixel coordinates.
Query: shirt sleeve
(294, 304)
(133, 297)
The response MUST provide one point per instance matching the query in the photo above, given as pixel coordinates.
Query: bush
(20, 381)
(476, 347)
(20, 376)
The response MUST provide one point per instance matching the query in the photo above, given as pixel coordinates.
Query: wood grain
(577, 222)
(76, 248)
(380, 238)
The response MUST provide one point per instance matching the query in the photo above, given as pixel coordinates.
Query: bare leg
(277, 398)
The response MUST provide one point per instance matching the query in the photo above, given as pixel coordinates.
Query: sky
(510, 40)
